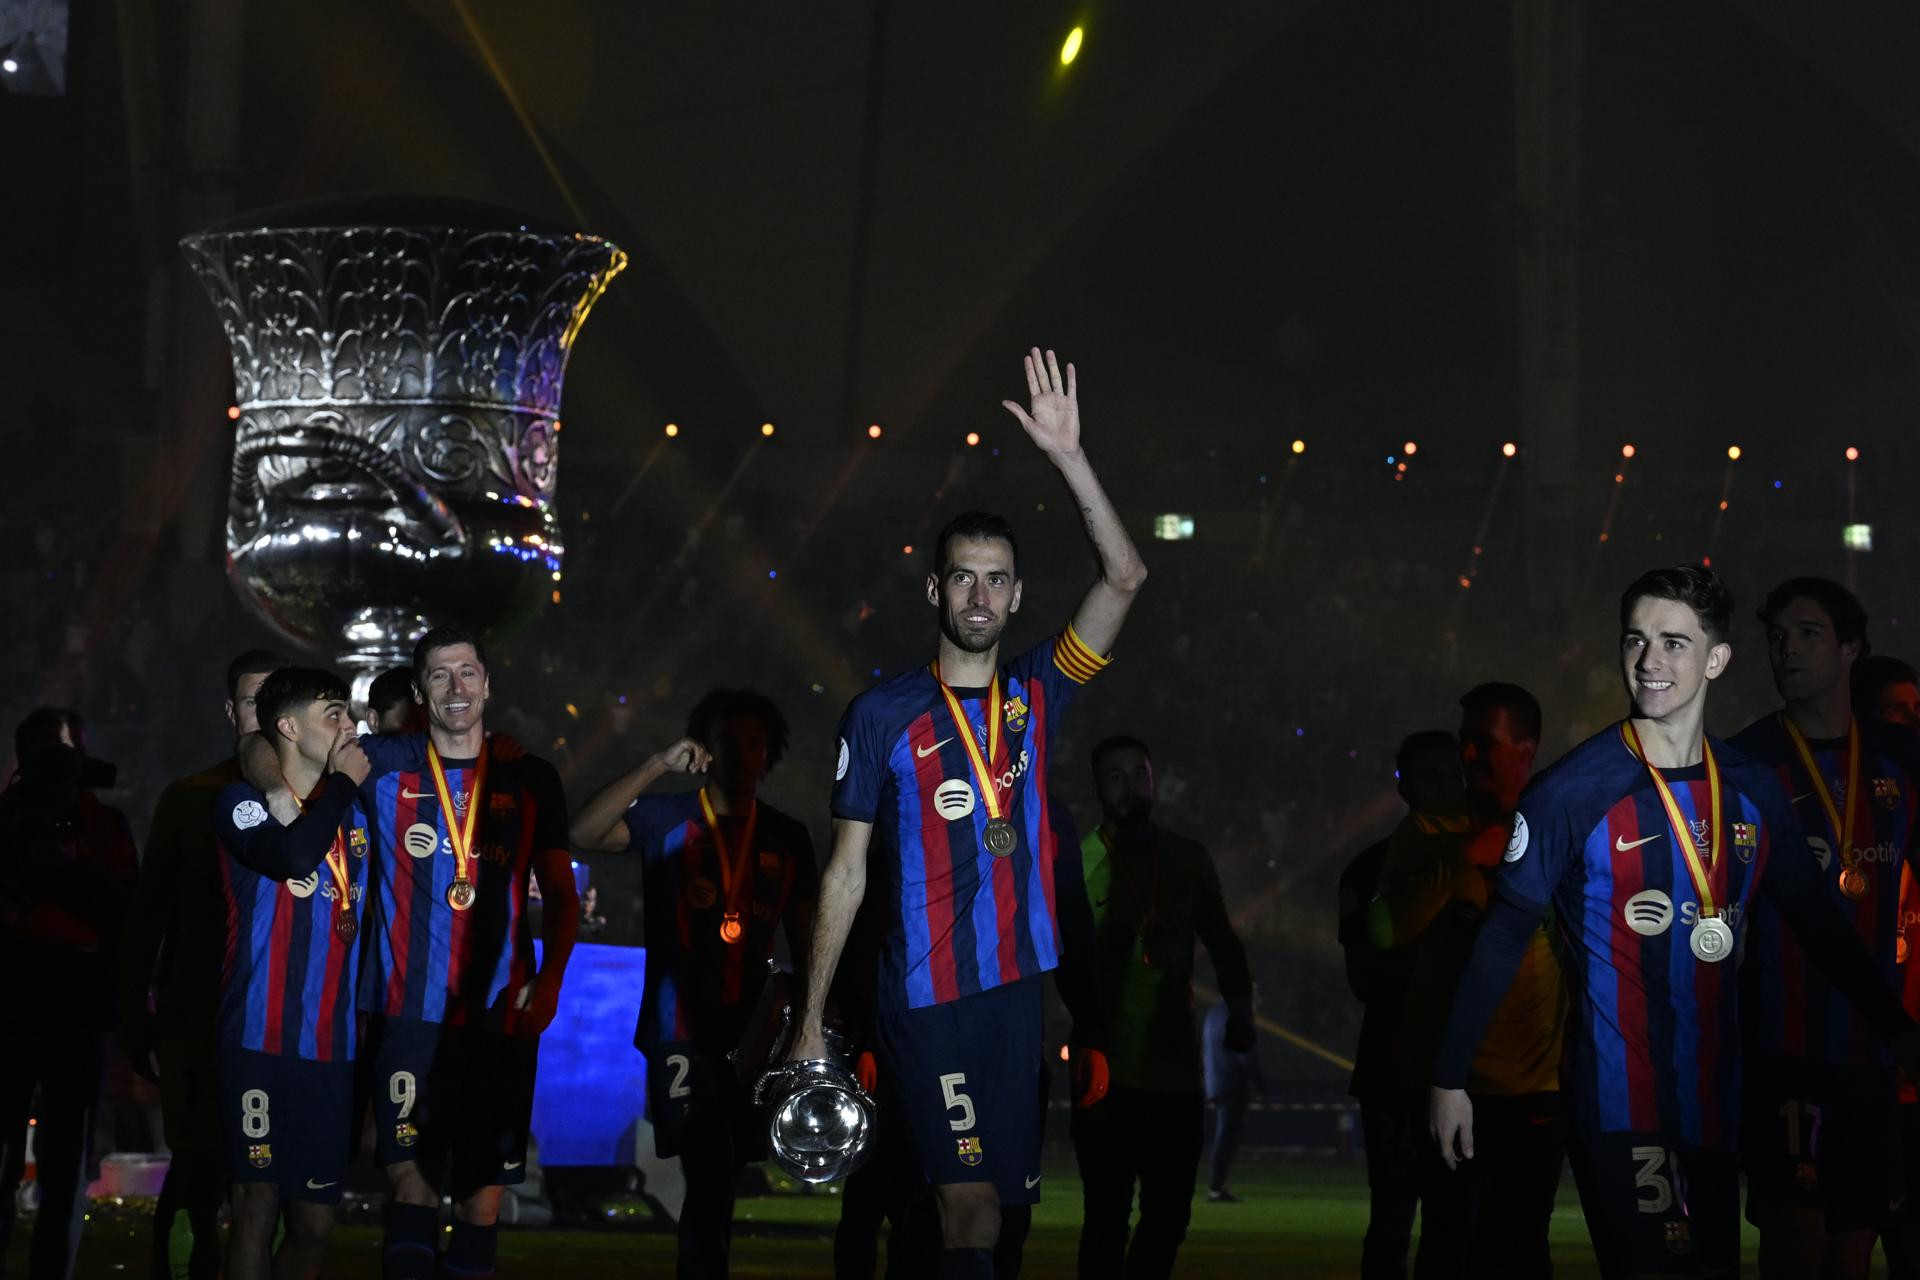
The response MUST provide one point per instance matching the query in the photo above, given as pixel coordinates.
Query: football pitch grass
(1296, 1218)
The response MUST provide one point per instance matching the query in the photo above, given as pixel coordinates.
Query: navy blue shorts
(694, 1096)
(287, 1121)
(1822, 1137)
(459, 1094)
(971, 1077)
(1655, 1207)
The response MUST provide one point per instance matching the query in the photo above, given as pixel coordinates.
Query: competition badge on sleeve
(1853, 881)
(734, 880)
(1001, 839)
(1712, 938)
(461, 893)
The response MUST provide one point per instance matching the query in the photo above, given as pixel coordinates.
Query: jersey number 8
(253, 1113)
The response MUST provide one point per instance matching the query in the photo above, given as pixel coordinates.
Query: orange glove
(1090, 1077)
(866, 1070)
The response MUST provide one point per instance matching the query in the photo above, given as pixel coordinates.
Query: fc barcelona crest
(1679, 1238)
(405, 1134)
(969, 1151)
(260, 1154)
(1746, 840)
(1016, 714)
(1887, 792)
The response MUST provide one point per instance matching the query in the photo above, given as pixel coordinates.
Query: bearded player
(1821, 1139)
(293, 892)
(1650, 842)
(941, 789)
(461, 827)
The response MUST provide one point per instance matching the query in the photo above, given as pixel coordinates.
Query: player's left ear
(1013, 605)
(1718, 658)
(933, 591)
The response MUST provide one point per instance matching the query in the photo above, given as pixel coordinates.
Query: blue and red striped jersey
(699, 988)
(287, 975)
(1793, 1010)
(1653, 1041)
(424, 959)
(958, 920)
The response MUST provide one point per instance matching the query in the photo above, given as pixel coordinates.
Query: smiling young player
(1650, 842)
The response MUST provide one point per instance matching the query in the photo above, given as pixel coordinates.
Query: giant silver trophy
(397, 369)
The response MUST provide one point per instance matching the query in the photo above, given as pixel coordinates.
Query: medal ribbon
(459, 830)
(1841, 828)
(1702, 876)
(733, 868)
(988, 793)
(336, 863)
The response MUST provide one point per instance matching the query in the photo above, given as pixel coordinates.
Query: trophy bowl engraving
(397, 370)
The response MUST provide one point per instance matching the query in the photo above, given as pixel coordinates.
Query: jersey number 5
(950, 1088)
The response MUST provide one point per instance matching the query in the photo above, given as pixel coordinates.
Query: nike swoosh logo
(1622, 844)
(1033, 1182)
(415, 795)
(320, 1186)
(1798, 799)
(513, 1164)
(924, 752)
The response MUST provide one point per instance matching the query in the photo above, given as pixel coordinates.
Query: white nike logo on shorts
(1623, 844)
(1033, 1182)
(513, 1164)
(924, 752)
(320, 1186)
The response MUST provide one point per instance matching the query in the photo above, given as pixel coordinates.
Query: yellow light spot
(573, 711)
(873, 432)
(1063, 1053)
(233, 413)
(766, 428)
(1733, 453)
(1508, 449)
(556, 597)
(673, 429)
(1723, 504)
(1626, 451)
(1465, 581)
(907, 550)
(1071, 49)
(1409, 448)
(1618, 478)
(973, 438)
(1299, 446)
(1853, 454)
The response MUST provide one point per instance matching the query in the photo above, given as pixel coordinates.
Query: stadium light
(1071, 49)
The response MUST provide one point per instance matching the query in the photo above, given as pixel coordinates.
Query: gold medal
(1853, 881)
(346, 926)
(460, 894)
(1712, 938)
(735, 882)
(999, 836)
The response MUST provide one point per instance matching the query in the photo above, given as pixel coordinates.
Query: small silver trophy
(397, 369)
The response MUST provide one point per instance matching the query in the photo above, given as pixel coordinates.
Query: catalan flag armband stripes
(1075, 660)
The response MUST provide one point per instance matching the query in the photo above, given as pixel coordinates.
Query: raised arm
(1052, 419)
(600, 826)
(842, 888)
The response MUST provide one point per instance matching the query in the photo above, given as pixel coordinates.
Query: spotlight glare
(673, 429)
(1410, 448)
(973, 439)
(1733, 453)
(1299, 446)
(907, 550)
(1068, 51)
(766, 428)
(873, 432)
(1853, 454)
(1626, 451)
(1508, 449)
(10, 66)
(233, 413)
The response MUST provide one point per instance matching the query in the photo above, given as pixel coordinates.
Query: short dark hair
(1117, 742)
(717, 706)
(1497, 695)
(41, 728)
(389, 689)
(444, 637)
(1842, 606)
(973, 524)
(1700, 589)
(1875, 672)
(1418, 744)
(254, 662)
(292, 689)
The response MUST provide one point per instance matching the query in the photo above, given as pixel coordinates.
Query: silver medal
(1712, 940)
